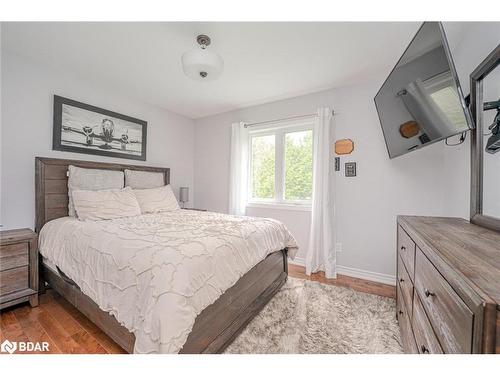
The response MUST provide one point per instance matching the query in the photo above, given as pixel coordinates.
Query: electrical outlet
(338, 247)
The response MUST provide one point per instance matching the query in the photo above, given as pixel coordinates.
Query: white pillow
(156, 200)
(91, 179)
(143, 179)
(105, 204)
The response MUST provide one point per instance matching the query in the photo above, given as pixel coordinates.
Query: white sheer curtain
(238, 169)
(321, 251)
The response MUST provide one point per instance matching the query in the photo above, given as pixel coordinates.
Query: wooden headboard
(51, 184)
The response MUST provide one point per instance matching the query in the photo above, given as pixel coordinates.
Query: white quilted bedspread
(155, 273)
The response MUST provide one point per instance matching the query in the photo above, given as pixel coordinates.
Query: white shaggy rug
(310, 317)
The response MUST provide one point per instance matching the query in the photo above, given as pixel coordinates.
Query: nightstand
(194, 209)
(18, 267)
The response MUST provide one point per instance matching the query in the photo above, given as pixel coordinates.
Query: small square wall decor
(350, 169)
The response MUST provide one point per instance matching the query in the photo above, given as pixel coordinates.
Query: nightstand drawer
(13, 256)
(18, 267)
(14, 279)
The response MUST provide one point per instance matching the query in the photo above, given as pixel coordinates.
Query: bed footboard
(215, 327)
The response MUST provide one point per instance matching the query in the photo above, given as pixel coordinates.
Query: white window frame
(278, 129)
(438, 82)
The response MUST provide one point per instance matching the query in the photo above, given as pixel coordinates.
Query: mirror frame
(476, 106)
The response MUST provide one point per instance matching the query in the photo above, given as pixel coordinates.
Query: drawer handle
(400, 312)
(401, 280)
(403, 248)
(424, 350)
(428, 293)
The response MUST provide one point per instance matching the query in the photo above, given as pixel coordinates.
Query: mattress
(155, 273)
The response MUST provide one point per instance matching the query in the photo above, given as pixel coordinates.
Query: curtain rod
(282, 119)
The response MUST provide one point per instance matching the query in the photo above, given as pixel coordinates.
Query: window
(443, 92)
(263, 167)
(280, 165)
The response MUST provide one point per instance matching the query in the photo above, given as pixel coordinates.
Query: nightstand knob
(424, 350)
(403, 248)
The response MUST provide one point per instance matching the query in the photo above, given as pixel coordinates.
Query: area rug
(310, 317)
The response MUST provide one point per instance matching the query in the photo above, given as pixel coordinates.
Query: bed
(238, 280)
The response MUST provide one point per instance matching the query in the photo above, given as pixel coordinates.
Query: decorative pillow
(105, 204)
(143, 180)
(156, 200)
(91, 179)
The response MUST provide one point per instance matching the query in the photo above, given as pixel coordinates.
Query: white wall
(367, 205)
(27, 100)
(431, 181)
(1, 127)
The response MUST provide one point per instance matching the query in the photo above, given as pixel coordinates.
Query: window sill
(280, 206)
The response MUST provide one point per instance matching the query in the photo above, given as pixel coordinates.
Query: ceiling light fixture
(202, 64)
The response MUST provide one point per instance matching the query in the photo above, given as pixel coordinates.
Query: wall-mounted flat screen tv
(421, 101)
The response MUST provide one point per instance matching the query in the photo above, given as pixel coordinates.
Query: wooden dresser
(18, 267)
(448, 286)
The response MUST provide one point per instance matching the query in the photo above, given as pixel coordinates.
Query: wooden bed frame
(215, 327)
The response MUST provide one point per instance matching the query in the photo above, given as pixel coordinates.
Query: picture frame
(87, 129)
(350, 169)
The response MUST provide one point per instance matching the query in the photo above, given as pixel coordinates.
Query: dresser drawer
(449, 315)
(407, 338)
(406, 287)
(406, 249)
(12, 256)
(13, 280)
(427, 342)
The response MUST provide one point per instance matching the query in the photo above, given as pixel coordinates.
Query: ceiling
(263, 62)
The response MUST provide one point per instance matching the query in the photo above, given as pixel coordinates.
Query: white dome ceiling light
(202, 64)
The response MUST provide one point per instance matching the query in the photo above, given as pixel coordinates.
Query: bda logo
(24, 346)
(9, 347)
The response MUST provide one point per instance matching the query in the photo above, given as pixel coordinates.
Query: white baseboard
(367, 275)
(356, 272)
(298, 261)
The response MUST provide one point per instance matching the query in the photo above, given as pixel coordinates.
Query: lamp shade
(184, 194)
(202, 64)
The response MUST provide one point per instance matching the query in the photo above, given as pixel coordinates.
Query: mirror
(485, 168)
(491, 150)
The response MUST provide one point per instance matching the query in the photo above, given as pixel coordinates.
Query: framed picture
(83, 128)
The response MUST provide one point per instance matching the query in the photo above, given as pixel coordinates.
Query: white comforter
(155, 273)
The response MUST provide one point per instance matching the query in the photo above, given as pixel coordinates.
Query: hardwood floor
(57, 322)
(360, 285)
(67, 330)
